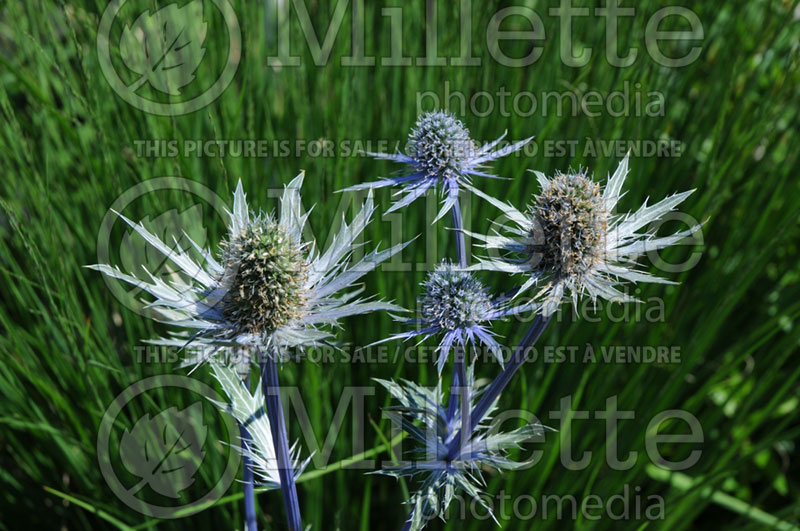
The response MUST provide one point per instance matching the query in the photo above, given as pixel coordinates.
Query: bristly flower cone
(570, 242)
(454, 299)
(571, 227)
(458, 308)
(440, 155)
(440, 145)
(266, 272)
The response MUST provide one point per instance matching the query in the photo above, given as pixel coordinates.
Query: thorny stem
(496, 387)
(272, 398)
(458, 229)
(459, 384)
(249, 494)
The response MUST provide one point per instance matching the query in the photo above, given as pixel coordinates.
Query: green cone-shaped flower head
(571, 224)
(267, 273)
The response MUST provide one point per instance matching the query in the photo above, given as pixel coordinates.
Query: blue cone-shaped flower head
(440, 147)
(269, 289)
(569, 241)
(432, 429)
(454, 298)
(456, 306)
(440, 155)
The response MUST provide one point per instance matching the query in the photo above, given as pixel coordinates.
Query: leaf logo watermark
(181, 228)
(151, 463)
(166, 450)
(178, 227)
(166, 47)
(152, 60)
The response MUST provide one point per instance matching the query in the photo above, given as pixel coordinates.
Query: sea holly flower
(440, 155)
(442, 468)
(569, 241)
(269, 289)
(456, 306)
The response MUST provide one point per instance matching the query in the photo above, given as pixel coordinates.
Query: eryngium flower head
(269, 289)
(454, 298)
(455, 304)
(440, 146)
(573, 222)
(266, 272)
(441, 155)
(569, 242)
(434, 428)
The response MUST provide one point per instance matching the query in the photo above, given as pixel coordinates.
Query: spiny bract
(432, 428)
(247, 408)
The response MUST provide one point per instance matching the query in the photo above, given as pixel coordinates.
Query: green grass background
(67, 151)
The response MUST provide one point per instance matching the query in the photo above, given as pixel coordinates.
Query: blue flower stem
(272, 398)
(459, 385)
(458, 228)
(452, 402)
(465, 398)
(496, 387)
(520, 355)
(249, 494)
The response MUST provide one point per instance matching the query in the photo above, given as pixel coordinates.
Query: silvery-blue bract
(434, 429)
(248, 409)
(254, 296)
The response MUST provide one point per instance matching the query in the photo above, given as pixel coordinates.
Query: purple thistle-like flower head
(440, 147)
(454, 298)
(440, 155)
(456, 306)
(569, 241)
(269, 289)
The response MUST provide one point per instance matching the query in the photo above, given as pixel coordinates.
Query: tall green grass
(67, 150)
